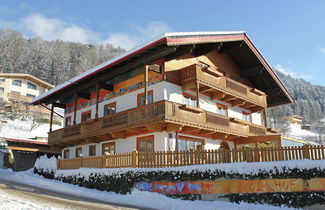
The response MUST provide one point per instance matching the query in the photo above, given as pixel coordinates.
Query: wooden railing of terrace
(215, 84)
(159, 116)
(162, 159)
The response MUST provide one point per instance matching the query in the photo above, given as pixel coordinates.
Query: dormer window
(31, 86)
(16, 83)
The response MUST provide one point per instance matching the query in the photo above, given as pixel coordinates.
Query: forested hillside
(309, 100)
(52, 61)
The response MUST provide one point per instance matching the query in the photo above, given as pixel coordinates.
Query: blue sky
(290, 34)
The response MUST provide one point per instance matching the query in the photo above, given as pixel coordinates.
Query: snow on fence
(161, 159)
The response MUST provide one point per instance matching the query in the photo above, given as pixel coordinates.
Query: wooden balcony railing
(18, 97)
(221, 84)
(162, 159)
(160, 113)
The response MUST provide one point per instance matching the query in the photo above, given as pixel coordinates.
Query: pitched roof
(27, 76)
(245, 55)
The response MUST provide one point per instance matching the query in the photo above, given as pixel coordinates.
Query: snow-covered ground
(136, 198)
(297, 132)
(21, 129)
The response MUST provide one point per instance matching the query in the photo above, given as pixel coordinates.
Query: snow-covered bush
(46, 166)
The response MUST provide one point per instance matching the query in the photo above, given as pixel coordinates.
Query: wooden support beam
(173, 127)
(253, 71)
(75, 109)
(155, 68)
(181, 50)
(119, 135)
(229, 46)
(146, 85)
(229, 98)
(206, 48)
(136, 130)
(206, 132)
(197, 94)
(205, 89)
(97, 99)
(264, 117)
(218, 96)
(190, 129)
(51, 119)
(219, 136)
(238, 103)
(158, 127)
(188, 86)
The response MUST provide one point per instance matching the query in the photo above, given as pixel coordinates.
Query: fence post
(81, 162)
(257, 154)
(305, 152)
(135, 159)
(59, 164)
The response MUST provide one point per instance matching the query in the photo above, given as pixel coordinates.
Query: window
(78, 152)
(66, 153)
(140, 98)
(67, 121)
(92, 150)
(16, 82)
(222, 109)
(15, 92)
(2, 89)
(31, 86)
(145, 144)
(30, 95)
(188, 143)
(109, 109)
(1, 100)
(2, 80)
(108, 148)
(86, 116)
(247, 117)
(189, 99)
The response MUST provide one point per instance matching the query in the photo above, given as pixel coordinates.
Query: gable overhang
(236, 45)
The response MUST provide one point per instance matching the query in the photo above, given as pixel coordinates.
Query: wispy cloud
(288, 71)
(138, 34)
(321, 49)
(38, 25)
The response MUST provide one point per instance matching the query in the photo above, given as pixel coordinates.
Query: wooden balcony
(217, 86)
(160, 116)
(18, 97)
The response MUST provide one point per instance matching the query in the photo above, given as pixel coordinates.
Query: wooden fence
(182, 158)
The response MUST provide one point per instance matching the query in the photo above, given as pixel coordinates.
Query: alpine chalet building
(182, 91)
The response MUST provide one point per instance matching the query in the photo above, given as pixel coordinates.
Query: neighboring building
(182, 91)
(24, 152)
(294, 120)
(21, 87)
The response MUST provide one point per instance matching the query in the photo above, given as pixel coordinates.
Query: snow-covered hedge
(123, 180)
(46, 166)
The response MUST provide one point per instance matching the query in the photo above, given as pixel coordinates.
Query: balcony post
(51, 119)
(97, 99)
(75, 108)
(146, 85)
(197, 95)
(264, 116)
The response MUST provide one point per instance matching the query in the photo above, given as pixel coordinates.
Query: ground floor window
(67, 121)
(92, 150)
(145, 144)
(108, 148)
(66, 153)
(189, 143)
(78, 151)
